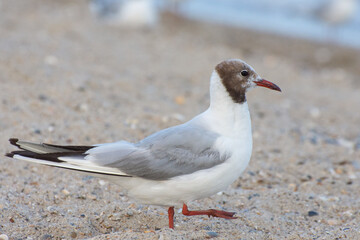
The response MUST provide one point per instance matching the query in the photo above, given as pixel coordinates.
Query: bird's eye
(244, 73)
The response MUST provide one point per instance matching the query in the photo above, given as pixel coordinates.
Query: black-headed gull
(179, 164)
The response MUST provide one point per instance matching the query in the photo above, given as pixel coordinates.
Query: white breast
(235, 140)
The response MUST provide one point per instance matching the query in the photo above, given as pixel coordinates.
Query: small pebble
(47, 237)
(331, 141)
(81, 197)
(339, 171)
(180, 100)
(73, 234)
(165, 119)
(253, 195)
(87, 178)
(42, 97)
(4, 237)
(51, 128)
(34, 169)
(212, 234)
(261, 114)
(34, 184)
(81, 88)
(348, 213)
(312, 213)
(115, 217)
(276, 150)
(207, 228)
(305, 178)
(51, 60)
(332, 222)
(293, 187)
(102, 182)
(346, 143)
(37, 131)
(83, 107)
(133, 123)
(92, 196)
(178, 117)
(53, 209)
(315, 112)
(65, 192)
(314, 140)
(129, 213)
(132, 205)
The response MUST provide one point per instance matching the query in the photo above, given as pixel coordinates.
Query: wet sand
(66, 78)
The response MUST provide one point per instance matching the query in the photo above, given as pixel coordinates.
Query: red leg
(171, 217)
(210, 212)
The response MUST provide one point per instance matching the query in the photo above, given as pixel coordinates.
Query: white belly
(234, 128)
(197, 185)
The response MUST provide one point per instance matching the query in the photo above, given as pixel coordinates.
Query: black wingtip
(11, 155)
(14, 141)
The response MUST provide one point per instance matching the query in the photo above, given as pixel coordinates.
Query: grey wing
(171, 152)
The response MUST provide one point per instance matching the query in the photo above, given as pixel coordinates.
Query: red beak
(267, 84)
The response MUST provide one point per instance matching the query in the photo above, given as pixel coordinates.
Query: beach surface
(67, 78)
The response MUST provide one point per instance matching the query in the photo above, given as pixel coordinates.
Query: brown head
(238, 77)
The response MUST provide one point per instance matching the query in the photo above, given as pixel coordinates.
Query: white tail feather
(74, 164)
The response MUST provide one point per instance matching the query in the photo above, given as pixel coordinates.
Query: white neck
(226, 117)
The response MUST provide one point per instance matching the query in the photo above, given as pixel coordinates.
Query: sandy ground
(66, 78)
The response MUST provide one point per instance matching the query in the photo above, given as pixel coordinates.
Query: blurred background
(323, 22)
(335, 21)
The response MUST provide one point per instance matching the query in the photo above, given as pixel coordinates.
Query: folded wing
(172, 152)
(168, 153)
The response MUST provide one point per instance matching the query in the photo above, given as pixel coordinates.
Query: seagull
(179, 164)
